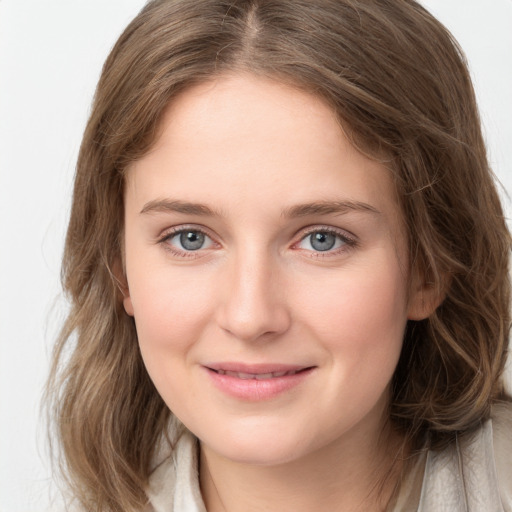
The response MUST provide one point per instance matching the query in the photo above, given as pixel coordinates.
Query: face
(266, 271)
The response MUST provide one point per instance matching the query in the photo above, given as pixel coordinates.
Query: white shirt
(474, 474)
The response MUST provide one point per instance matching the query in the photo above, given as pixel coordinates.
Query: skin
(250, 151)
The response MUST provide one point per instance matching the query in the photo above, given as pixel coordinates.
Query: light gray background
(51, 52)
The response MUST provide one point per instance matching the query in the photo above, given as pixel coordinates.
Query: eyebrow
(169, 205)
(329, 208)
(300, 210)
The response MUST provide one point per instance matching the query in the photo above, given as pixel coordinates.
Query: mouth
(253, 383)
(259, 376)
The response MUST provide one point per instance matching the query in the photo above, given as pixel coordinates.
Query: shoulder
(502, 448)
(475, 472)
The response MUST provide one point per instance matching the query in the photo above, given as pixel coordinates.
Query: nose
(253, 305)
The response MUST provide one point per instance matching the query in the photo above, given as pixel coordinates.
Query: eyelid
(327, 229)
(173, 230)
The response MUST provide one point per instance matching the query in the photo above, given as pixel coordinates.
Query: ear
(127, 303)
(426, 296)
(122, 286)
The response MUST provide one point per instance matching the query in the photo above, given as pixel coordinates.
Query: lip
(256, 382)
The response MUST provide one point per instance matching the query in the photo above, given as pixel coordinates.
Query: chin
(259, 446)
(258, 455)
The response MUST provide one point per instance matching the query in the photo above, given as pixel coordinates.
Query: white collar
(460, 478)
(174, 484)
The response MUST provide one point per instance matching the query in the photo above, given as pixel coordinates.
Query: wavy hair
(400, 86)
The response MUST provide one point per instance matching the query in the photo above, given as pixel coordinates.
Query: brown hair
(400, 86)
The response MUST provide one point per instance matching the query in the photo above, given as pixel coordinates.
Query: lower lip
(254, 390)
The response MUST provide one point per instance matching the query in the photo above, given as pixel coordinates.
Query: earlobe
(122, 286)
(128, 306)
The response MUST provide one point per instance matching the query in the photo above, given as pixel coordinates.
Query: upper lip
(260, 368)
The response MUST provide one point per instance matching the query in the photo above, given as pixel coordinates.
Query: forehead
(241, 140)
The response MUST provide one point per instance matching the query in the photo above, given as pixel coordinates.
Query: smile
(256, 383)
(257, 376)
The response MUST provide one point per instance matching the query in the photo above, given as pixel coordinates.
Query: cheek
(170, 310)
(170, 314)
(360, 312)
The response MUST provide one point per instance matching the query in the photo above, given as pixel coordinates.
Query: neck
(350, 474)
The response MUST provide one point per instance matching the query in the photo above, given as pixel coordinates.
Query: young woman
(288, 269)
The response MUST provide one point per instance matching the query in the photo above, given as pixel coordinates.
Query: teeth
(263, 376)
(257, 376)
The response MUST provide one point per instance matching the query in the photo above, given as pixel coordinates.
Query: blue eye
(189, 240)
(322, 241)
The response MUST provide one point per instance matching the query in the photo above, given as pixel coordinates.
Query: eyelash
(348, 242)
(169, 235)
